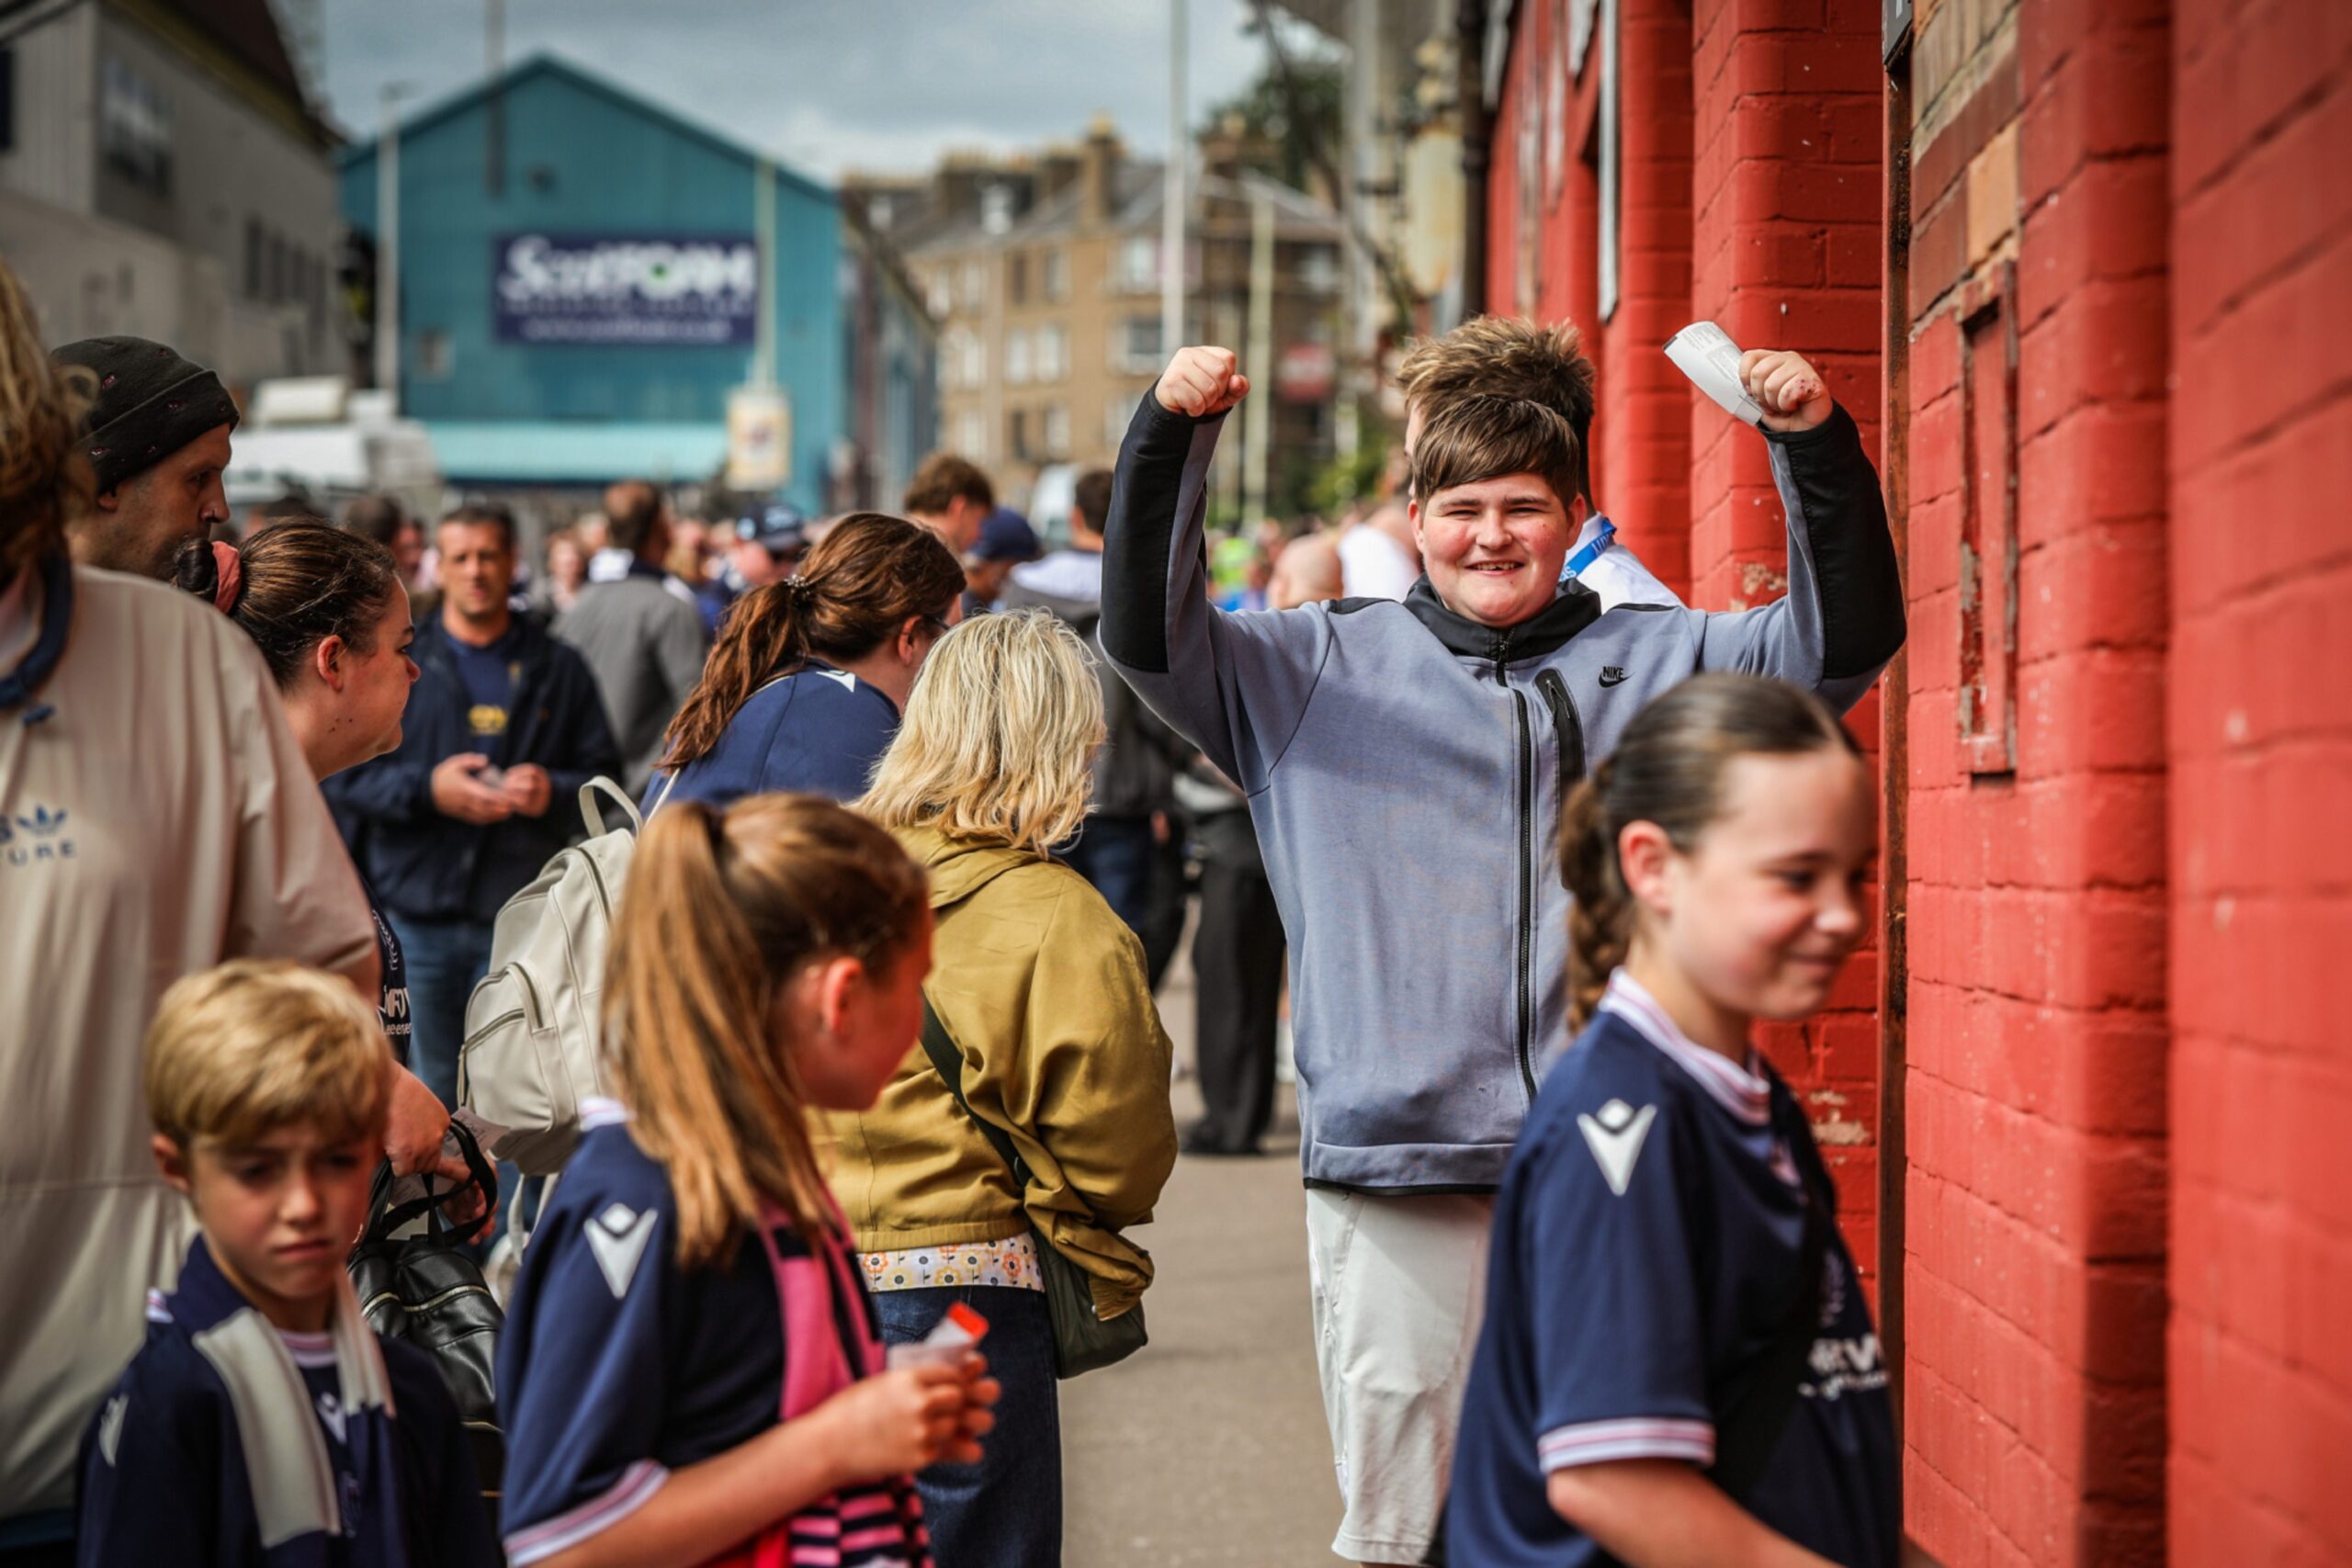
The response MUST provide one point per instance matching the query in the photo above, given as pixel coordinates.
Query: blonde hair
(43, 478)
(998, 740)
(720, 909)
(238, 1052)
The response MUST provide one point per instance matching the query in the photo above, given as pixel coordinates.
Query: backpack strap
(1748, 1429)
(948, 1062)
(594, 817)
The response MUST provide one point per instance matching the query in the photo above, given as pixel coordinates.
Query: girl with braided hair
(1679, 1366)
(804, 688)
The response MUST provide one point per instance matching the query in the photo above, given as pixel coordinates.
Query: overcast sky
(826, 86)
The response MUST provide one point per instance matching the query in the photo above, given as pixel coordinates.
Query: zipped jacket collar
(1546, 631)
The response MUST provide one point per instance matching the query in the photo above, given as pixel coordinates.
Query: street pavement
(1208, 1445)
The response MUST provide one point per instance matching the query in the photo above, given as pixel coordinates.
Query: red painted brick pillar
(2035, 1195)
(1643, 447)
(2261, 744)
(1787, 104)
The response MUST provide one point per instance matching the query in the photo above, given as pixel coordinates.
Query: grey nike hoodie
(1406, 767)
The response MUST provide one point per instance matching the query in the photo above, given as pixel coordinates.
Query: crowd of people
(1519, 844)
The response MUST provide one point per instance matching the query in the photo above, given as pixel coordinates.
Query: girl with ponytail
(804, 688)
(691, 1372)
(1677, 1364)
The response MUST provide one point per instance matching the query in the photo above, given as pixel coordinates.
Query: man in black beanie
(157, 441)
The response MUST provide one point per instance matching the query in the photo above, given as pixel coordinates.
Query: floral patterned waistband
(1011, 1262)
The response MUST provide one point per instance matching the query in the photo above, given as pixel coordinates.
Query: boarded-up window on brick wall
(1988, 541)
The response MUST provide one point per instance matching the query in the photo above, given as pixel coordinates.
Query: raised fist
(1790, 391)
(1201, 382)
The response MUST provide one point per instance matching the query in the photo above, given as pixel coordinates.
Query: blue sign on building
(625, 288)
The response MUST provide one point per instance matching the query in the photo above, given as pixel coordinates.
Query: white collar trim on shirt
(1740, 1090)
(598, 1112)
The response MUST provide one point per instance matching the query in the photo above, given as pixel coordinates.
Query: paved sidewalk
(1209, 1446)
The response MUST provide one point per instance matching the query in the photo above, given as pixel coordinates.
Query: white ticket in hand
(1705, 354)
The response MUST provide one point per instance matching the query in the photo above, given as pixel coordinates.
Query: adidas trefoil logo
(42, 822)
(331, 1412)
(1615, 1134)
(617, 1238)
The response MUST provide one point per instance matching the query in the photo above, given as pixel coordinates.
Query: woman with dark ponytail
(1677, 1364)
(804, 689)
(327, 610)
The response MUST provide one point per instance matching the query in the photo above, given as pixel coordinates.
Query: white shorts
(1399, 1286)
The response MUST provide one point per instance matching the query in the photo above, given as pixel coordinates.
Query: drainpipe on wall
(1470, 101)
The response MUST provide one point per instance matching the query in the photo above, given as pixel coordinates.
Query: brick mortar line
(2231, 1197)
(2229, 304)
(2271, 129)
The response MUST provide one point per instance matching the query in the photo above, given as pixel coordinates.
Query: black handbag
(428, 1290)
(1081, 1340)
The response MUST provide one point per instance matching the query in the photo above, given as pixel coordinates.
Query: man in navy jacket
(503, 726)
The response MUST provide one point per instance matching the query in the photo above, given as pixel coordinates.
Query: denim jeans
(1116, 854)
(1006, 1511)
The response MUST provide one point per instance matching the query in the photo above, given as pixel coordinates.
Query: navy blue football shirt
(617, 1366)
(1648, 1241)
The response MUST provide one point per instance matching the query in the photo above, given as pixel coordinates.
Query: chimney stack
(1099, 175)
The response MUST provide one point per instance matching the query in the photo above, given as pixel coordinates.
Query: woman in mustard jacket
(1041, 988)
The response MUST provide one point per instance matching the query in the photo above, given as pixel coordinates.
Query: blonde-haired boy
(263, 1422)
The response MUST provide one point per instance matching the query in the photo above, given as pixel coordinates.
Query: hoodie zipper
(1569, 727)
(1524, 757)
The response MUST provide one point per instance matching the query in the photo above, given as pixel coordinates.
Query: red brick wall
(2035, 1190)
(1787, 101)
(2261, 747)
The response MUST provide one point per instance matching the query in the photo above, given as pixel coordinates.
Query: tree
(1282, 127)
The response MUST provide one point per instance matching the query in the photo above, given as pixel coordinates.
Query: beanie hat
(150, 403)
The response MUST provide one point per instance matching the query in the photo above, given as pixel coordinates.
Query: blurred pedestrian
(1678, 1363)
(566, 575)
(804, 688)
(158, 443)
(950, 496)
(156, 818)
(1377, 557)
(1041, 990)
(1117, 849)
(1309, 572)
(642, 636)
(1006, 541)
(385, 521)
(766, 546)
(503, 728)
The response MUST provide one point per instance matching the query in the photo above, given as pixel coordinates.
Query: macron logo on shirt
(1615, 1137)
(617, 1238)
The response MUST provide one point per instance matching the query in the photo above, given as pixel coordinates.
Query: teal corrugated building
(577, 271)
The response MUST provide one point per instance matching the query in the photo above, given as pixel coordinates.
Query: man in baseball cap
(158, 438)
(766, 548)
(1006, 540)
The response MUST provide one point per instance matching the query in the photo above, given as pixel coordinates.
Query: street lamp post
(1171, 218)
(388, 244)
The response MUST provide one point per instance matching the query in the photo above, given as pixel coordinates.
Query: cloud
(824, 85)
